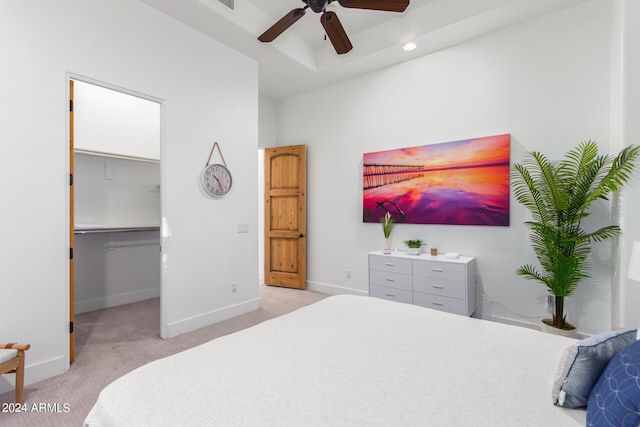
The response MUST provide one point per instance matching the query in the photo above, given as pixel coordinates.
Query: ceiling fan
(329, 20)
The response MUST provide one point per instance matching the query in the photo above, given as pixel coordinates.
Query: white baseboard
(326, 288)
(535, 326)
(514, 322)
(206, 319)
(35, 372)
(116, 300)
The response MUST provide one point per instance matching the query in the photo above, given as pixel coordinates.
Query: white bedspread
(350, 361)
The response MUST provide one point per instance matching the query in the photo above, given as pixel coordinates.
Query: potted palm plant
(558, 194)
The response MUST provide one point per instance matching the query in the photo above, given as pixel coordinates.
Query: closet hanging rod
(115, 156)
(113, 229)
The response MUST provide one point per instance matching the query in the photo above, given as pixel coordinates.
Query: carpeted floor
(112, 342)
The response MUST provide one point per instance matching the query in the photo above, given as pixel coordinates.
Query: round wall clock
(216, 180)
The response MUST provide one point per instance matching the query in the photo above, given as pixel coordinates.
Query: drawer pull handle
(389, 264)
(437, 287)
(390, 280)
(437, 303)
(439, 270)
(390, 295)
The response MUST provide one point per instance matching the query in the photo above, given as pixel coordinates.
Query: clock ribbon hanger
(215, 145)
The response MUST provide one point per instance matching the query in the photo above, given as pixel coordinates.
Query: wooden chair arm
(19, 347)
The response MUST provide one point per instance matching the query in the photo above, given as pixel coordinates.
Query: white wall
(267, 138)
(267, 128)
(108, 121)
(116, 192)
(546, 82)
(630, 12)
(208, 93)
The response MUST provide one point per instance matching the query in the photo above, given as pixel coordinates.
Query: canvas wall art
(460, 183)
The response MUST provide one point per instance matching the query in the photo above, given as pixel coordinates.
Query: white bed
(350, 361)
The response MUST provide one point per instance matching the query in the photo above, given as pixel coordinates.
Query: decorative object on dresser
(558, 194)
(387, 226)
(413, 246)
(425, 280)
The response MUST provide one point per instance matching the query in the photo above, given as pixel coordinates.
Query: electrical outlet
(243, 228)
(234, 286)
(108, 171)
(348, 274)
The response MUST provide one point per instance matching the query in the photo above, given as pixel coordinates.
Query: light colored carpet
(112, 342)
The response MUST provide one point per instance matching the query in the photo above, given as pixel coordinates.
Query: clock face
(216, 180)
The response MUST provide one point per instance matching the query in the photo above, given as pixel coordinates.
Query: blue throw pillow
(582, 363)
(615, 399)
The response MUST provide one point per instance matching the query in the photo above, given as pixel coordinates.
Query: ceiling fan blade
(279, 27)
(386, 5)
(336, 33)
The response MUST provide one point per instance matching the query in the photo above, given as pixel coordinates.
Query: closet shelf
(116, 156)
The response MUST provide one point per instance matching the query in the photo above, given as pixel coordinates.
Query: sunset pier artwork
(376, 175)
(462, 182)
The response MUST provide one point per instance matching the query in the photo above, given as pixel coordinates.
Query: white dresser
(429, 281)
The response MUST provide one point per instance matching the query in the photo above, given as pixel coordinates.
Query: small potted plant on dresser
(413, 246)
(558, 194)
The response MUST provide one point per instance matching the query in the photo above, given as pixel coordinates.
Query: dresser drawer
(436, 286)
(440, 270)
(391, 264)
(391, 280)
(448, 304)
(391, 294)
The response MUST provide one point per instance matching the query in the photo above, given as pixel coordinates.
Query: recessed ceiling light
(409, 46)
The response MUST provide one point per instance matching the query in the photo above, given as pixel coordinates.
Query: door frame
(71, 224)
(70, 77)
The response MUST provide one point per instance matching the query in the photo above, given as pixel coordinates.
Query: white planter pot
(570, 333)
(413, 251)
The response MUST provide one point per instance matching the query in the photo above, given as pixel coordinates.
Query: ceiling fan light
(409, 46)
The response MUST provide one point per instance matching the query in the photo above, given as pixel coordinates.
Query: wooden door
(285, 219)
(71, 228)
